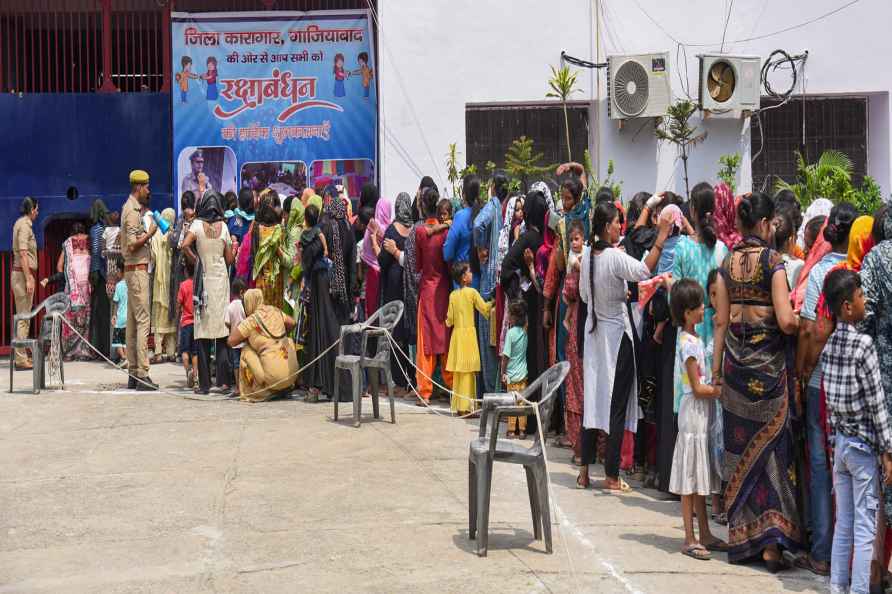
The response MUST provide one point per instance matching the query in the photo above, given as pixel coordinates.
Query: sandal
(623, 488)
(720, 519)
(717, 546)
(697, 552)
(806, 562)
(562, 442)
(584, 485)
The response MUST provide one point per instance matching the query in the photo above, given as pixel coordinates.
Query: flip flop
(716, 546)
(697, 552)
(623, 488)
(583, 486)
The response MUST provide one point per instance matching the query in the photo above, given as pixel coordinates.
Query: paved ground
(104, 490)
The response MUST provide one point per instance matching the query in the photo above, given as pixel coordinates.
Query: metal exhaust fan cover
(630, 88)
(722, 81)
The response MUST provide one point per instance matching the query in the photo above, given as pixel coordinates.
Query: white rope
(129, 375)
(394, 349)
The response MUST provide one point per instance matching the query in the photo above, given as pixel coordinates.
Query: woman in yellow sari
(163, 320)
(268, 365)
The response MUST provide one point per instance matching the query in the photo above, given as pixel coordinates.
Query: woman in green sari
(268, 245)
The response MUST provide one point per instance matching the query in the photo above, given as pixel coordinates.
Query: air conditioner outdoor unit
(638, 86)
(729, 83)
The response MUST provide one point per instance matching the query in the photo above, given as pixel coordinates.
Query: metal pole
(165, 36)
(597, 147)
(107, 85)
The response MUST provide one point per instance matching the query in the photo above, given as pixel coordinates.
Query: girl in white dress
(693, 475)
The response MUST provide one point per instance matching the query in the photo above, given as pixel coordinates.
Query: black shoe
(131, 383)
(146, 384)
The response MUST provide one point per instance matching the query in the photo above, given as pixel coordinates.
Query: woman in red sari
(433, 297)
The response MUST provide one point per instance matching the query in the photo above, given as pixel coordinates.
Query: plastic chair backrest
(387, 317)
(54, 305)
(58, 303)
(548, 383)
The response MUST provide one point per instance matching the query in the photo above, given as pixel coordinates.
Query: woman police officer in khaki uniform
(24, 273)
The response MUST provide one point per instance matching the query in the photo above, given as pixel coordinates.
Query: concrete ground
(106, 490)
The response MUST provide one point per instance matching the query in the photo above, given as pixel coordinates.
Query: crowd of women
(594, 279)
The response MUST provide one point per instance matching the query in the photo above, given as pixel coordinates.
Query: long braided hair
(603, 215)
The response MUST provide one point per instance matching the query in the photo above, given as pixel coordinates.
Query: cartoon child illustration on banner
(365, 72)
(211, 77)
(183, 77)
(340, 74)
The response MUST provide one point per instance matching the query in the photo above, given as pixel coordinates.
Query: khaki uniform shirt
(131, 230)
(23, 240)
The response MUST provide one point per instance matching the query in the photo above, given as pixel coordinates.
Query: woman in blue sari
(753, 312)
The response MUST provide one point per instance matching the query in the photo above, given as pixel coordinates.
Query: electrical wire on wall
(780, 60)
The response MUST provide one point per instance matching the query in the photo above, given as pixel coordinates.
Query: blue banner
(281, 100)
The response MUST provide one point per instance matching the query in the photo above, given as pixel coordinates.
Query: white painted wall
(438, 55)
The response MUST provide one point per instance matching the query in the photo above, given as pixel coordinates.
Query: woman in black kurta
(331, 297)
(516, 274)
(392, 283)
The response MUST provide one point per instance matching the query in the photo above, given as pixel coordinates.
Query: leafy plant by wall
(594, 183)
(522, 164)
(728, 172)
(831, 177)
(676, 128)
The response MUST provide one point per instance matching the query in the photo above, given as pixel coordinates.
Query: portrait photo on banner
(210, 167)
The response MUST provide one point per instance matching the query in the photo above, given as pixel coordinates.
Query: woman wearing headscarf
(74, 261)
(212, 256)
(293, 229)
(268, 364)
(821, 207)
(432, 336)
(100, 332)
(519, 282)
(575, 209)
(725, 216)
(487, 230)
(268, 247)
(331, 299)
(163, 323)
(374, 235)
(412, 277)
(511, 229)
(394, 278)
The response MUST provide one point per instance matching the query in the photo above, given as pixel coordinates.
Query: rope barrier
(138, 379)
(294, 375)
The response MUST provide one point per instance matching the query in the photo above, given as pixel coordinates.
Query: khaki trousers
(23, 304)
(138, 318)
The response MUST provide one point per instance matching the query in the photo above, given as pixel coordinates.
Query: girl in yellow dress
(464, 356)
